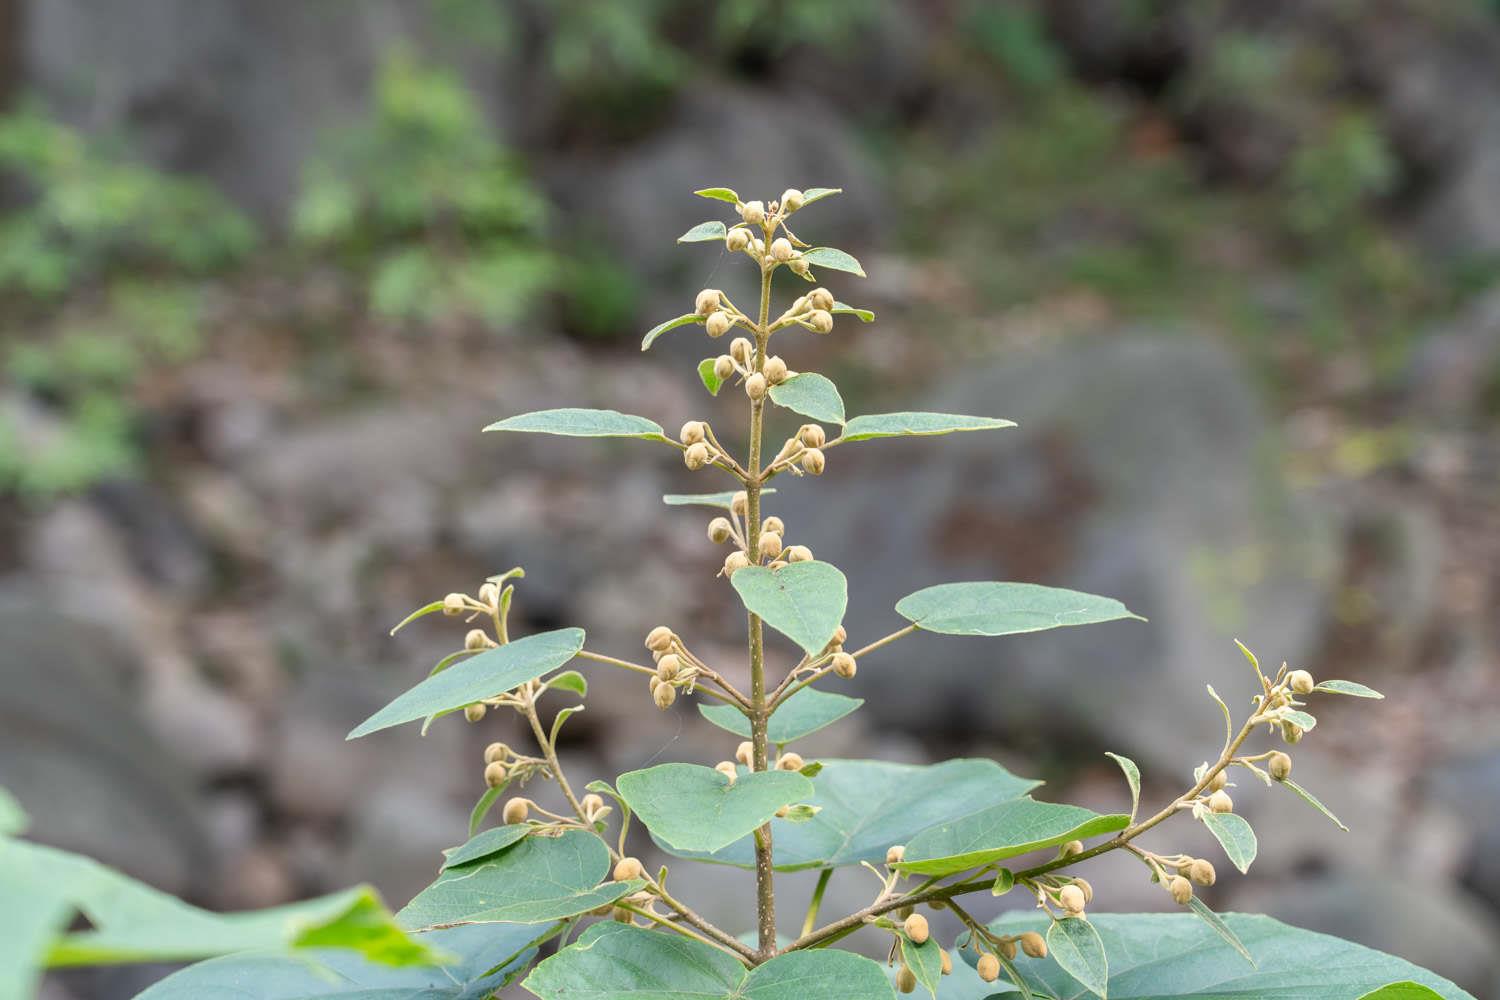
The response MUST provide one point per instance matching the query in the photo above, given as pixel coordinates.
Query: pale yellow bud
(739, 503)
(741, 350)
(770, 545)
(988, 967)
(628, 868)
(737, 240)
(664, 695)
(916, 928)
(734, 562)
(659, 639)
(775, 370)
(946, 963)
(668, 666)
(781, 249)
(844, 665)
(812, 436)
(1280, 765)
(476, 640)
(496, 751)
(455, 604)
(723, 368)
(1034, 945)
(1291, 732)
(474, 712)
(813, 462)
(728, 770)
(1220, 802)
(745, 753)
(707, 301)
(755, 386)
(791, 200)
(753, 212)
(799, 266)
(906, 980)
(820, 298)
(692, 432)
(1218, 781)
(1088, 890)
(774, 525)
(1072, 898)
(798, 553)
(1301, 682)
(696, 456)
(894, 854)
(1181, 890)
(591, 803)
(515, 811)
(720, 530)
(495, 773)
(718, 324)
(790, 761)
(1202, 872)
(1071, 848)
(821, 320)
(489, 594)
(1007, 948)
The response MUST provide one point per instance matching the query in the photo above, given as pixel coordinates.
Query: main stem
(765, 892)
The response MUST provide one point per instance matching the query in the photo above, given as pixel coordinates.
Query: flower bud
(720, 530)
(489, 594)
(753, 212)
(1291, 732)
(1071, 848)
(799, 266)
(894, 854)
(1202, 872)
(1181, 890)
(1072, 898)
(916, 928)
(707, 301)
(820, 298)
(739, 503)
(664, 695)
(811, 435)
(727, 769)
(844, 665)
(781, 249)
(745, 753)
(454, 605)
(659, 639)
(476, 640)
(906, 980)
(591, 803)
(1301, 682)
(495, 773)
(723, 368)
(813, 461)
(696, 456)
(774, 525)
(496, 751)
(737, 240)
(628, 868)
(821, 320)
(620, 915)
(988, 967)
(1218, 781)
(692, 432)
(946, 963)
(718, 324)
(1088, 890)
(515, 811)
(755, 386)
(475, 712)
(741, 350)
(1034, 945)
(798, 553)
(770, 545)
(775, 370)
(736, 560)
(790, 761)
(1007, 948)
(839, 635)
(791, 200)
(1280, 765)
(799, 306)
(668, 666)
(1220, 802)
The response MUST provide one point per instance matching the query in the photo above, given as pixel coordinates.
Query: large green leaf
(574, 421)
(482, 676)
(811, 395)
(1167, 956)
(695, 808)
(664, 326)
(990, 608)
(480, 961)
(540, 879)
(1004, 830)
(1075, 946)
(613, 962)
(803, 601)
(13, 818)
(866, 806)
(881, 425)
(1234, 835)
(803, 713)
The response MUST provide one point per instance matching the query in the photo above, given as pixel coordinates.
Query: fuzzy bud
(1088, 890)
(727, 769)
(755, 386)
(781, 249)
(820, 298)
(1071, 848)
(495, 774)
(627, 869)
(737, 240)
(946, 963)
(773, 524)
(1301, 682)
(916, 928)
(668, 666)
(906, 980)
(664, 695)
(515, 811)
(591, 803)
(739, 503)
(988, 967)
(844, 665)
(775, 370)
(1181, 890)
(720, 530)
(718, 324)
(1072, 898)
(1034, 945)
(1280, 765)
(496, 751)
(1220, 802)
(474, 712)
(799, 266)
(1218, 781)
(707, 301)
(489, 594)
(798, 553)
(894, 854)
(811, 436)
(770, 545)
(813, 461)
(455, 605)
(790, 761)
(736, 560)
(1202, 872)
(723, 368)
(696, 456)
(476, 640)
(741, 350)
(791, 200)
(1291, 732)
(692, 432)
(659, 639)
(753, 212)
(1007, 948)
(745, 753)
(839, 635)
(821, 320)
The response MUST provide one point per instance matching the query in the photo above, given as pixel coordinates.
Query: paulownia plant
(568, 878)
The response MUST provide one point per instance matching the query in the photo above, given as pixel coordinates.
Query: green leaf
(721, 194)
(1076, 947)
(865, 315)
(709, 377)
(490, 673)
(1234, 835)
(1313, 801)
(1002, 831)
(988, 608)
(425, 609)
(483, 845)
(802, 714)
(1301, 719)
(571, 681)
(811, 395)
(695, 808)
(913, 424)
(481, 960)
(1352, 688)
(704, 231)
(483, 806)
(537, 880)
(573, 421)
(1403, 991)
(1175, 956)
(832, 258)
(803, 601)
(1132, 778)
(868, 805)
(1220, 927)
(925, 960)
(721, 500)
(13, 819)
(818, 194)
(613, 961)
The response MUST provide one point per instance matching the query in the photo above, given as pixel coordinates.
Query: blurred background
(267, 268)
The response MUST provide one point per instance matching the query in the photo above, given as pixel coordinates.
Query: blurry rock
(162, 544)
(1144, 470)
(1470, 789)
(1455, 366)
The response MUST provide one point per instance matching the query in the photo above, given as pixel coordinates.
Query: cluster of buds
(813, 311)
(719, 314)
(699, 447)
(502, 765)
(1028, 943)
(802, 452)
(757, 371)
(757, 215)
(676, 666)
(1067, 893)
(770, 548)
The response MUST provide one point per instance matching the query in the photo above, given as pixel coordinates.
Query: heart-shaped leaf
(884, 425)
(990, 608)
(695, 808)
(482, 676)
(803, 601)
(1004, 830)
(574, 421)
(811, 395)
(803, 713)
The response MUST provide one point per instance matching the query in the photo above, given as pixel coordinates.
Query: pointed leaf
(834, 259)
(704, 231)
(803, 601)
(913, 424)
(1220, 927)
(537, 880)
(1300, 719)
(482, 807)
(865, 315)
(811, 195)
(695, 808)
(1002, 831)
(484, 845)
(803, 713)
(1132, 778)
(1351, 688)
(811, 395)
(721, 500)
(1077, 948)
(987, 608)
(425, 609)
(573, 421)
(925, 960)
(719, 194)
(1234, 835)
(490, 673)
(709, 377)
(1313, 801)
